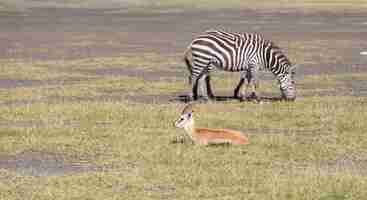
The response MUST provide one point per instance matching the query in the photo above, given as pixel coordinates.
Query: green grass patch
(136, 140)
(313, 148)
(41, 70)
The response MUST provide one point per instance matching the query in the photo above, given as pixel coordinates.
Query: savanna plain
(89, 91)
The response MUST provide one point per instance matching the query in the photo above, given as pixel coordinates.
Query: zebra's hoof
(239, 96)
(253, 97)
(242, 99)
(285, 98)
(257, 101)
(289, 99)
(189, 99)
(211, 98)
(202, 99)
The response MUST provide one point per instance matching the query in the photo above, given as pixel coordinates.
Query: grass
(295, 148)
(285, 166)
(313, 148)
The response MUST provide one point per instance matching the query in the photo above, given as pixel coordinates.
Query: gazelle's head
(186, 119)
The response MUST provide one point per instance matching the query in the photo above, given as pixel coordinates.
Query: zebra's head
(288, 84)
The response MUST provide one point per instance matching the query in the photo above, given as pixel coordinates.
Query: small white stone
(363, 53)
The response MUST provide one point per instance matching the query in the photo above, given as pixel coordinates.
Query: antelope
(207, 136)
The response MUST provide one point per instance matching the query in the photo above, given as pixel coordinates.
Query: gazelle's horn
(188, 108)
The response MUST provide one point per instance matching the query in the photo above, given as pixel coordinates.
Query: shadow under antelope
(207, 136)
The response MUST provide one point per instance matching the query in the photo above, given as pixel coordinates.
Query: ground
(89, 92)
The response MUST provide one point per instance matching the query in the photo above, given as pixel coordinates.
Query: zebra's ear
(294, 68)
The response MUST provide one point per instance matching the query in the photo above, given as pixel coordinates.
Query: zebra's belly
(231, 69)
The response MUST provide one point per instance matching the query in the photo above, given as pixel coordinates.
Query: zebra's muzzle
(288, 95)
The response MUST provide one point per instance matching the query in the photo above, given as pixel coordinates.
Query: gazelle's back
(220, 136)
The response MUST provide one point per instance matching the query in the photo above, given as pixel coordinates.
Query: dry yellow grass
(313, 148)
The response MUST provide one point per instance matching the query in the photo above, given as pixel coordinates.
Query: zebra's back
(225, 50)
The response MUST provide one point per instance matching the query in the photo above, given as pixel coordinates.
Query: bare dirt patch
(357, 87)
(152, 99)
(149, 75)
(44, 164)
(9, 83)
(353, 163)
(85, 33)
(16, 83)
(21, 124)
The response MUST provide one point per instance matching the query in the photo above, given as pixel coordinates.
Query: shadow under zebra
(187, 99)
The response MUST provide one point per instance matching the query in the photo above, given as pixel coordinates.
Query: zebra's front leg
(203, 85)
(209, 87)
(198, 86)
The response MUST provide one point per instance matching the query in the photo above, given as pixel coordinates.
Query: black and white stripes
(234, 52)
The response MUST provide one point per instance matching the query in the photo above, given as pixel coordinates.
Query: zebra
(247, 53)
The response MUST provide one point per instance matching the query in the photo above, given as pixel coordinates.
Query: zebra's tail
(188, 60)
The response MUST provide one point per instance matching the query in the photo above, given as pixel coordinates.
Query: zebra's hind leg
(253, 82)
(193, 95)
(239, 93)
(209, 88)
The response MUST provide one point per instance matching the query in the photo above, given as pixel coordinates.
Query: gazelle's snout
(184, 120)
(179, 123)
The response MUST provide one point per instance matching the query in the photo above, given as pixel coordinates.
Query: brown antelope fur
(206, 136)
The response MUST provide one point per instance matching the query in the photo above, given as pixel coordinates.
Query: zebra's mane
(282, 59)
